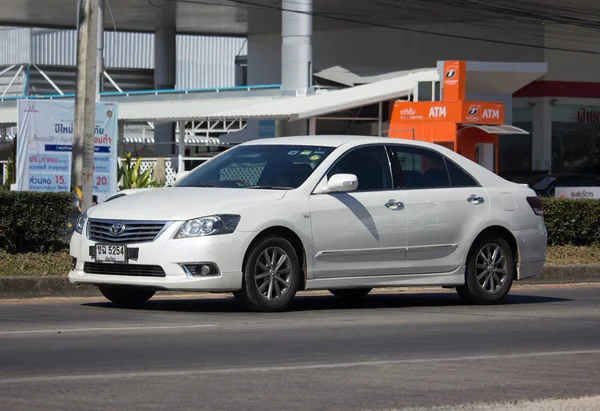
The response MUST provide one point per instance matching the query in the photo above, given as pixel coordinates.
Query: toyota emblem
(117, 229)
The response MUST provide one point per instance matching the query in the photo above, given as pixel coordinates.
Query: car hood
(182, 203)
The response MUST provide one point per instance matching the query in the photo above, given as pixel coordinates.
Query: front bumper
(225, 251)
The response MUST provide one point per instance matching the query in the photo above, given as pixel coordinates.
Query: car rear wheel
(490, 271)
(350, 294)
(126, 295)
(271, 276)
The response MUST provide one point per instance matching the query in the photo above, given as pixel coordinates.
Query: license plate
(111, 253)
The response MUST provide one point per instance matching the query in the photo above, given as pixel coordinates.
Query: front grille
(134, 232)
(136, 270)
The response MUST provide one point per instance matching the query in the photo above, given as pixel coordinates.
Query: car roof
(334, 141)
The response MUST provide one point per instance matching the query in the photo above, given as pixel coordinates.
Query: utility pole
(82, 167)
(100, 51)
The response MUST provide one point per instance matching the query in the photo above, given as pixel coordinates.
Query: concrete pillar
(541, 144)
(165, 60)
(487, 156)
(296, 55)
(100, 51)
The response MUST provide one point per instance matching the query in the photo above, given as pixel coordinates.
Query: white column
(380, 119)
(296, 55)
(541, 139)
(181, 151)
(296, 47)
(487, 156)
(312, 126)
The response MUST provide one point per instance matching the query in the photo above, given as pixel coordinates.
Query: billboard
(44, 146)
(468, 112)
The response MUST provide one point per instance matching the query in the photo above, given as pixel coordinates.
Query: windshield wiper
(268, 187)
(205, 185)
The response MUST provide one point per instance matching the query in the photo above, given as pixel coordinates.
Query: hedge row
(31, 221)
(572, 222)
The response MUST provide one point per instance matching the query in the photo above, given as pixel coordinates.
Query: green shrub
(572, 222)
(130, 176)
(10, 172)
(33, 221)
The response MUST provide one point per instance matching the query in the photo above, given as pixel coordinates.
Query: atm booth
(468, 127)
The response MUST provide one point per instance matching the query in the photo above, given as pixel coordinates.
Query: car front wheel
(490, 271)
(126, 295)
(271, 276)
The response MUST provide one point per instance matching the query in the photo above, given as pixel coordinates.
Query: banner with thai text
(575, 193)
(44, 146)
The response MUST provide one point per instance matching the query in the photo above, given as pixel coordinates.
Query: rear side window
(422, 168)
(458, 176)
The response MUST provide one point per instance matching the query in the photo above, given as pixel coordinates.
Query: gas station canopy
(478, 77)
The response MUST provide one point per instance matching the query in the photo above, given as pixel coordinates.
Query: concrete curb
(38, 287)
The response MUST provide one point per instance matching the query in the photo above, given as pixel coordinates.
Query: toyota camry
(271, 217)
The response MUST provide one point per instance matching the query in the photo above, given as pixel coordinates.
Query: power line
(392, 27)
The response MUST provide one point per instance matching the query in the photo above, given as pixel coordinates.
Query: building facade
(129, 60)
(559, 110)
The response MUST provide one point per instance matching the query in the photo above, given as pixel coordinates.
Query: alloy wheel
(273, 274)
(491, 268)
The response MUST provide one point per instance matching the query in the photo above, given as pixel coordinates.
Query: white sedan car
(271, 217)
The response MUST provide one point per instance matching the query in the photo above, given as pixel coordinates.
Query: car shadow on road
(326, 303)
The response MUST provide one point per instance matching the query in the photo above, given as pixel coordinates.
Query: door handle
(474, 199)
(394, 205)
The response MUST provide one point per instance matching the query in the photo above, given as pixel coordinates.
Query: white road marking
(102, 329)
(244, 370)
(553, 404)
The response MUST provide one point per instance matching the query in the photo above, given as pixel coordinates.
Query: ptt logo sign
(473, 111)
(450, 76)
(437, 112)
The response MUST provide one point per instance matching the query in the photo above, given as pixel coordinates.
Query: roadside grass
(59, 263)
(35, 264)
(569, 254)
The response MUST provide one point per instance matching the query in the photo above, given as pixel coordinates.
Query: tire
(265, 287)
(482, 285)
(129, 296)
(350, 294)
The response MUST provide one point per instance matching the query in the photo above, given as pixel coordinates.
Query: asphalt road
(413, 349)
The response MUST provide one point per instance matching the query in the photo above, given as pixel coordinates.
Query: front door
(361, 233)
(444, 207)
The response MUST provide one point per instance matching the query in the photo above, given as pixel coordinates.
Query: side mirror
(339, 183)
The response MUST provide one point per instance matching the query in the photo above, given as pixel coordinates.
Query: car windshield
(259, 166)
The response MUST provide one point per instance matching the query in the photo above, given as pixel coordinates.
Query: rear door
(445, 206)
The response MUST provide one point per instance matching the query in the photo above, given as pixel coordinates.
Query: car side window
(369, 164)
(422, 168)
(458, 176)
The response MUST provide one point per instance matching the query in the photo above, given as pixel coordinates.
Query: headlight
(212, 225)
(80, 222)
